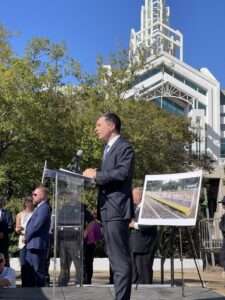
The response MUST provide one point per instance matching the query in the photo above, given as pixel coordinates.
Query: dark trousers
(116, 234)
(69, 251)
(111, 281)
(36, 259)
(142, 267)
(89, 255)
(48, 258)
(25, 274)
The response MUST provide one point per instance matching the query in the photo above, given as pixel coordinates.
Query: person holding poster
(142, 245)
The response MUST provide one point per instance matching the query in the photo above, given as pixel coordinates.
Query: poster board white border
(182, 221)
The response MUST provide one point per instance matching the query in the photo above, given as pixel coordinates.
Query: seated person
(7, 274)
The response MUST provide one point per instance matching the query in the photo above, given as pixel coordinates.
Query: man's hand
(90, 173)
(132, 224)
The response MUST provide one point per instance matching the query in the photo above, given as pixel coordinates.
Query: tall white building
(181, 89)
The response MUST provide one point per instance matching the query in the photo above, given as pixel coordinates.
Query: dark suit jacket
(115, 182)
(6, 227)
(142, 240)
(37, 229)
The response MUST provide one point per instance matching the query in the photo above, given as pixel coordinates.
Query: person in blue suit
(6, 227)
(115, 201)
(37, 237)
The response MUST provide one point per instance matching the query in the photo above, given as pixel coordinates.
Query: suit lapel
(34, 213)
(111, 150)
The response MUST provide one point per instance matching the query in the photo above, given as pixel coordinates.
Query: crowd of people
(33, 228)
(129, 246)
(117, 213)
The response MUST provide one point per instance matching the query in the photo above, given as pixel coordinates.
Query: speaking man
(37, 237)
(115, 199)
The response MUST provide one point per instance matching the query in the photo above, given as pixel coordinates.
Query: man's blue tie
(105, 152)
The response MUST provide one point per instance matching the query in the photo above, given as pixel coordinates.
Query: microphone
(77, 156)
(73, 166)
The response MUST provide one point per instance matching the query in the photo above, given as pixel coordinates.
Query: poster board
(170, 199)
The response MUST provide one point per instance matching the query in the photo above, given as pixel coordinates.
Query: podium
(68, 224)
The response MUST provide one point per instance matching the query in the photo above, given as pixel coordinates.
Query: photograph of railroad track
(170, 199)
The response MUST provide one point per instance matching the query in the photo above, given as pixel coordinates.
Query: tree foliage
(41, 119)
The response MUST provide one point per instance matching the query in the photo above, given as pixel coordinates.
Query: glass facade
(146, 75)
(186, 81)
(179, 77)
(199, 105)
(222, 98)
(170, 106)
(222, 149)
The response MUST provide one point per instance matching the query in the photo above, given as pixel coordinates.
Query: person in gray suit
(115, 202)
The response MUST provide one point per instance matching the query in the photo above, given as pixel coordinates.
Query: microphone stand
(74, 167)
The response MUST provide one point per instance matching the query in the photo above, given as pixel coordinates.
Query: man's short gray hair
(140, 189)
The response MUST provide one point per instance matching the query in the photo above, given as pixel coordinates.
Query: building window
(189, 83)
(198, 120)
(200, 90)
(146, 75)
(170, 106)
(222, 147)
(201, 106)
(222, 127)
(222, 98)
(170, 72)
(206, 145)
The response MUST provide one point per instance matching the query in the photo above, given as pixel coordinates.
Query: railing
(211, 238)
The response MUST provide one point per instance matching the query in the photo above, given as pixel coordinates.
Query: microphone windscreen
(80, 153)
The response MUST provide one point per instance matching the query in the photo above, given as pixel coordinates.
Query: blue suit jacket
(37, 229)
(115, 182)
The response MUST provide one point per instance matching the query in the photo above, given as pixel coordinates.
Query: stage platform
(106, 292)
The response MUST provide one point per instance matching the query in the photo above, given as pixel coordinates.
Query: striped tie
(105, 152)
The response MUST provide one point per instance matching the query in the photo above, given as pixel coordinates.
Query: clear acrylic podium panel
(68, 233)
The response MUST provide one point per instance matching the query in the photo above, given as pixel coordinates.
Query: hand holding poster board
(170, 199)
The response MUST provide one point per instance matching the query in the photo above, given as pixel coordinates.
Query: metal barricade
(211, 238)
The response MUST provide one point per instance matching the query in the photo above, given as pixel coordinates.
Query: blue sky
(95, 27)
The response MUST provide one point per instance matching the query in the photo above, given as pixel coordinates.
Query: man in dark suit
(142, 245)
(115, 199)
(37, 237)
(6, 227)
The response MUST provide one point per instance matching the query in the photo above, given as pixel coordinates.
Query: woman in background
(21, 221)
(92, 235)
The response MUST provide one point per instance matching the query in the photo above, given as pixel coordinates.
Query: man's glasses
(1, 260)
